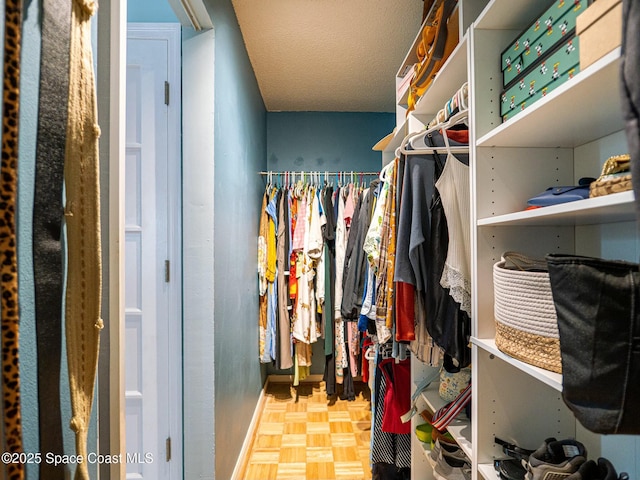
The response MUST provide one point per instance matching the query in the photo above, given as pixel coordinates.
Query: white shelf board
(488, 472)
(398, 135)
(509, 15)
(554, 380)
(448, 80)
(616, 207)
(459, 428)
(575, 113)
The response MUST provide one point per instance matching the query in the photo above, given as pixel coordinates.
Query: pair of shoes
(448, 469)
(511, 468)
(603, 470)
(445, 449)
(513, 450)
(449, 462)
(555, 460)
(442, 437)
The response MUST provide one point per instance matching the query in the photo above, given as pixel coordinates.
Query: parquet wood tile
(345, 454)
(304, 435)
(320, 470)
(270, 428)
(265, 455)
(294, 439)
(296, 417)
(339, 416)
(269, 441)
(317, 407)
(349, 470)
(291, 471)
(298, 427)
(319, 440)
(320, 455)
(344, 440)
(260, 471)
(274, 417)
(341, 427)
(318, 427)
(293, 454)
(317, 416)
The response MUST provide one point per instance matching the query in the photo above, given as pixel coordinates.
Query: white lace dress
(453, 186)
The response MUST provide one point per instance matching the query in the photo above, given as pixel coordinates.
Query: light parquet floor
(303, 435)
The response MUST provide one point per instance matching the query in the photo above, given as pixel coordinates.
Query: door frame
(171, 33)
(111, 99)
(111, 45)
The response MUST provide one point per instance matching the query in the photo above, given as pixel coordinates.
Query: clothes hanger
(383, 173)
(455, 119)
(370, 353)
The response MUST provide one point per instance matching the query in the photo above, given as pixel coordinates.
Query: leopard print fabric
(8, 259)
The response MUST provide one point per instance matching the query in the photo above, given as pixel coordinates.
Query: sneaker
(510, 469)
(440, 449)
(450, 468)
(603, 470)
(555, 460)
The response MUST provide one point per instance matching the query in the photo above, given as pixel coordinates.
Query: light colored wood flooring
(304, 435)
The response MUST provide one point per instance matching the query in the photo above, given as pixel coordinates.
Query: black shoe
(603, 470)
(510, 469)
(514, 451)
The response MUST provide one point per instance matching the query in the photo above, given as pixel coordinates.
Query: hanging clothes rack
(445, 119)
(289, 178)
(453, 120)
(321, 173)
(458, 102)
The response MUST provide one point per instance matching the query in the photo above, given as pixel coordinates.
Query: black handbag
(598, 307)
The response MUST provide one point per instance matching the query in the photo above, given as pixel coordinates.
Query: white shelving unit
(562, 137)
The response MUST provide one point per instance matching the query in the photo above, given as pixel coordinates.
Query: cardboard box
(600, 30)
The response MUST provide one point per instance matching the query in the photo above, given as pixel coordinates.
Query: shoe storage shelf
(566, 135)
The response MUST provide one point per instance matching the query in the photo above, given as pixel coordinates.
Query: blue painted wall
(325, 141)
(240, 146)
(150, 11)
(29, 89)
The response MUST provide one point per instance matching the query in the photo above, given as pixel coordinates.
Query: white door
(153, 355)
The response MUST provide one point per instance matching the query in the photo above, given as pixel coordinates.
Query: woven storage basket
(526, 322)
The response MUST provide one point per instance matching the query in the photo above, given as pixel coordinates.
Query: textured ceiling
(328, 55)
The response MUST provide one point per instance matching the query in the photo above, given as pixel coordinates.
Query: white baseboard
(245, 451)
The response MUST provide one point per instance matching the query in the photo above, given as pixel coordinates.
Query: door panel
(151, 313)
